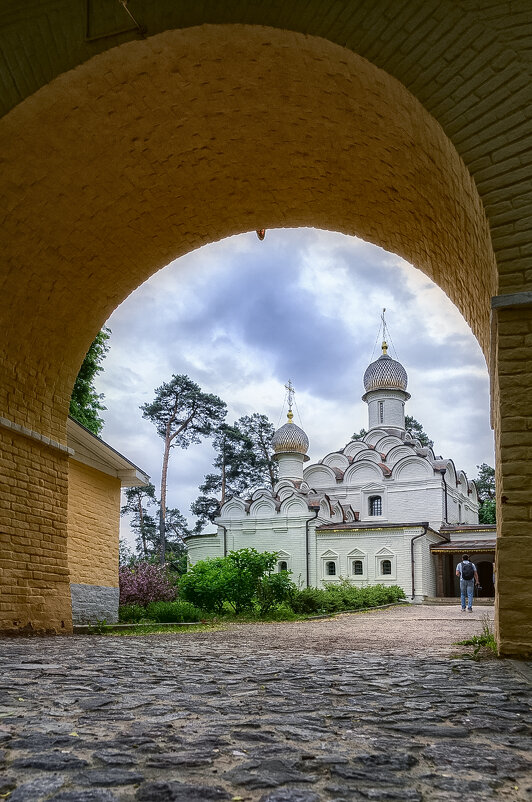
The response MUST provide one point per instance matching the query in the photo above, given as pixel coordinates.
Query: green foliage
(138, 500)
(238, 580)
(273, 590)
(359, 435)
(182, 413)
(205, 584)
(487, 513)
(85, 402)
(173, 612)
(485, 484)
(243, 459)
(344, 596)
(131, 613)
(415, 428)
(484, 644)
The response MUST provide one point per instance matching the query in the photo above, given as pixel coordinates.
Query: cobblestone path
(259, 713)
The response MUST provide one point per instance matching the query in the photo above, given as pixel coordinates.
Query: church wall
(204, 547)
(372, 546)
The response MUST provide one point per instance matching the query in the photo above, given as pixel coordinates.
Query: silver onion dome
(290, 438)
(385, 374)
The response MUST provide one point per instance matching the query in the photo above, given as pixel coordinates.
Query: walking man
(467, 571)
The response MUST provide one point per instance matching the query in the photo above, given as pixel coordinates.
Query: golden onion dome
(290, 438)
(385, 374)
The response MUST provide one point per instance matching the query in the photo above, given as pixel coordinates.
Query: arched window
(283, 565)
(330, 568)
(375, 505)
(386, 567)
(381, 411)
(358, 568)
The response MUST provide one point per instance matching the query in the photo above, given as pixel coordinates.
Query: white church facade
(382, 510)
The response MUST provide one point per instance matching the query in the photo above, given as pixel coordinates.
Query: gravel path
(361, 707)
(414, 630)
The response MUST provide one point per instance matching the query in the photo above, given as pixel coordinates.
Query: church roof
(290, 438)
(385, 374)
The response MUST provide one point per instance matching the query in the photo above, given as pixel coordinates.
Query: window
(358, 568)
(330, 568)
(459, 513)
(282, 565)
(381, 411)
(386, 567)
(375, 505)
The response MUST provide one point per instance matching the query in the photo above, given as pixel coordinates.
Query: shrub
(173, 612)
(343, 596)
(234, 580)
(143, 583)
(273, 590)
(131, 613)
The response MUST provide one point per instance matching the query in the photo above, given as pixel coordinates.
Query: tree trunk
(162, 511)
(141, 523)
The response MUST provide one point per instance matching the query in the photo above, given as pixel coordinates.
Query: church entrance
(485, 576)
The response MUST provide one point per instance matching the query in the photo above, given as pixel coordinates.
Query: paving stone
(180, 792)
(109, 777)
(37, 789)
(290, 795)
(92, 795)
(52, 761)
(197, 718)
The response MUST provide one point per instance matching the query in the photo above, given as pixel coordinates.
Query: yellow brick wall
(514, 481)
(34, 578)
(93, 525)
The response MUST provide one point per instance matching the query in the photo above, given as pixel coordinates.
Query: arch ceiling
(161, 145)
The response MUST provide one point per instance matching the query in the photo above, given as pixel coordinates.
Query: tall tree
(415, 428)
(243, 459)
(85, 402)
(485, 483)
(260, 431)
(138, 500)
(182, 414)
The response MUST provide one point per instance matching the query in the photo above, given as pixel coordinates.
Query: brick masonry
(161, 145)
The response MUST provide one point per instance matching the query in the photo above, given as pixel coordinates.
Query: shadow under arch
(159, 146)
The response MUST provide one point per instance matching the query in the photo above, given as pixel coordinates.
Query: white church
(382, 510)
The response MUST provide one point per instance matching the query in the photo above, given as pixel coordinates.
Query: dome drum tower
(385, 382)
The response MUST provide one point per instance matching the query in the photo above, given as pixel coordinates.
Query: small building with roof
(96, 474)
(382, 510)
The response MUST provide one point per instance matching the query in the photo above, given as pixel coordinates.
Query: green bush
(273, 590)
(232, 580)
(343, 596)
(131, 613)
(173, 612)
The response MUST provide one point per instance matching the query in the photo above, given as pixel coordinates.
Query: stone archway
(159, 146)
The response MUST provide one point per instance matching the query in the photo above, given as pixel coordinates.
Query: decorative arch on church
(412, 468)
(397, 453)
(354, 447)
(320, 476)
(294, 506)
(368, 454)
(335, 460)
(361, 472)
(233, 509)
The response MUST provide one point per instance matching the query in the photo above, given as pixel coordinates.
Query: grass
(484, 645)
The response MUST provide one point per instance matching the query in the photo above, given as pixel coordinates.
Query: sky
(241, 317)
